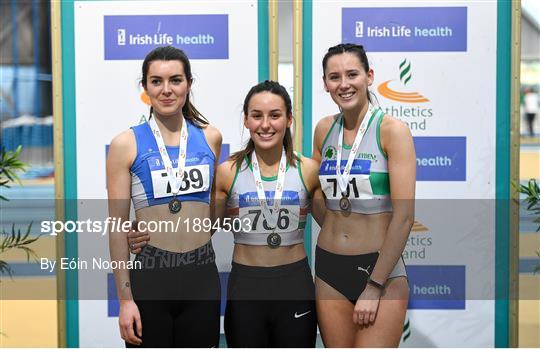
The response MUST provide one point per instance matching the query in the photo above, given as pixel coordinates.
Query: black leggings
(178, 296)
(179, 324)
(271, 306)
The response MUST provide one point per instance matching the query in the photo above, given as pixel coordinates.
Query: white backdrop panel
(108, 102)
(461, 88)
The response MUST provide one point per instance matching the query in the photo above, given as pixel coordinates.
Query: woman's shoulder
(307, 164)
(124, 146)
(226, 172)
(394, 133)
(309, 170)
(323, 127)
(124, 139)
(227, 166)
(211, 131)
(212, 134)
(326, 123)
(393, 126)
(213, 138)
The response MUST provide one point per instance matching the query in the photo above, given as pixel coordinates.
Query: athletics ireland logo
(405, 76)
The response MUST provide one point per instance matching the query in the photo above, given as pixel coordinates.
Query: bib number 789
(196, 179)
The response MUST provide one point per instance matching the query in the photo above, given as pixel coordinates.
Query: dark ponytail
(288, 143)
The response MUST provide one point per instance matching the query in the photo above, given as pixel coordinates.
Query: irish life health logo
(131, 37)
(394, 93)
(406, 29)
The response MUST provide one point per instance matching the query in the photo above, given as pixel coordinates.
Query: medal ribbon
(343, 179)
(271, 216)
(175, 181)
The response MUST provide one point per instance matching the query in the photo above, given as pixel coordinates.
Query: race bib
(288, 218)
(196, 179)
(359, 184)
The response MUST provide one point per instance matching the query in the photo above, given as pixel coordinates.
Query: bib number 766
(258, 219)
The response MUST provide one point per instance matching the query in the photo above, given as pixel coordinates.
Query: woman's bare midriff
(354, 233)
(178, 232)
(264, 256)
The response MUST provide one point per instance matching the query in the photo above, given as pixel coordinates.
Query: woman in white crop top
(271, 296)
(361, 284)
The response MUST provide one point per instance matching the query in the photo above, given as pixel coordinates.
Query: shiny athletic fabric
(271, 306)
(369, 181)
(348, 274)
(149, 182)
(243, 203)
(178, 296)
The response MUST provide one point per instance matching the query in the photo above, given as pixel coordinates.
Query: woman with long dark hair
(271, 295)
(367, 173)
(166, 168)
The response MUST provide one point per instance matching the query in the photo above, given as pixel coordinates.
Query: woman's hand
(365, 310)
(129, 314)
(136, 239)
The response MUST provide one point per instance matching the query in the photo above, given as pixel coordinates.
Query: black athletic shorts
(348, 274)
(271, 306)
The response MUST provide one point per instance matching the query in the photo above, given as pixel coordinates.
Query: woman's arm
(214, 139)
(318, 208)
(322, 128)
(120, 157)
(224, 179)
(397, 142)
(310, 173)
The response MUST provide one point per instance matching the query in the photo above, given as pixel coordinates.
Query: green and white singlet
(369, 183)
(243, 203)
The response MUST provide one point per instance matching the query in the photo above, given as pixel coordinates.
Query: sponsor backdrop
(227, 44)
(435, 71)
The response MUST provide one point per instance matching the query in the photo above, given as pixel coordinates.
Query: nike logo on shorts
(296, 315)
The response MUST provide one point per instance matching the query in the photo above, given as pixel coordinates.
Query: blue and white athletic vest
(149, 183)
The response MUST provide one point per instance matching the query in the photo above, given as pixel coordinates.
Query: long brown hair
(170, 53)
(275, 88)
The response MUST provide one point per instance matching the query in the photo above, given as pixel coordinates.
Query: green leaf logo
(405, 71)
(406, 330)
